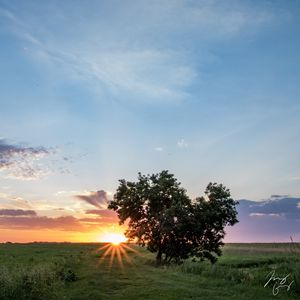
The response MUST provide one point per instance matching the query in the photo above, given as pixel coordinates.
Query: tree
(163, 218)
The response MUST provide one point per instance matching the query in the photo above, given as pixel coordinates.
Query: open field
(82, 271)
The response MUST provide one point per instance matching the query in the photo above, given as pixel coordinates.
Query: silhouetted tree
(163, 218)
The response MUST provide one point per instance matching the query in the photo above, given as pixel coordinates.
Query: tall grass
(250, 268)
(38, 282)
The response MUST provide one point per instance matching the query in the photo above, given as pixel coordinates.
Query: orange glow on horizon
(38, 235)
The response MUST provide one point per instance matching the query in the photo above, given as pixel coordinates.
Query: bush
(68, 275)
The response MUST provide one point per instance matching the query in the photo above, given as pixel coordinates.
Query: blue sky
(101, 90)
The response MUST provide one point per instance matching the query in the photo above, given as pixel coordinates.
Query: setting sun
(113, 238)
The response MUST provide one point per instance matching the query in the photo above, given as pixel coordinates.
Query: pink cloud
(104, 213)
(67, 223)
(17, 212)
(98, 199)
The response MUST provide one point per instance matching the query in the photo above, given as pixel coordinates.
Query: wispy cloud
(265, 215)
(159, 149)
(144, 73)
(114, 55)
(98, 199)
(182, 143)
(104, 214)
(22, 162)
(15, 201)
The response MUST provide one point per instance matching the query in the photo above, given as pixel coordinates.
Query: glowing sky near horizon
(95, 92)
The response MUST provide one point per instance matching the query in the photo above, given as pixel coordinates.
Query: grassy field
(85, 271)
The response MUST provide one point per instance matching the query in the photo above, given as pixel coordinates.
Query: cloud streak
(17, 212)
(104, 214)
(158, 149)
(66, 223)
(28, 220)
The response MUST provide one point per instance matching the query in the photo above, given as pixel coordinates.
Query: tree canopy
(165, 220)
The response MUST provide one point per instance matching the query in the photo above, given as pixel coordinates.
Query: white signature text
(278, 282)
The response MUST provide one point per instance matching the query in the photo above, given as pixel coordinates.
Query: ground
(90, 271)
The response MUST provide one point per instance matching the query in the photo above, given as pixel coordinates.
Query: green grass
(79, 271)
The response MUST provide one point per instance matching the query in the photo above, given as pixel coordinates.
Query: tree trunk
(158, 257)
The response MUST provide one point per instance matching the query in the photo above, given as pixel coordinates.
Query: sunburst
(114, 250)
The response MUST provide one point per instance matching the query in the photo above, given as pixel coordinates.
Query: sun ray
(130, 249)
(107, 252)
(120, 261)
(112, 256)
(104, 247)
(124, 253)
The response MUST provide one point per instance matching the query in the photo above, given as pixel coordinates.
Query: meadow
(98, 271)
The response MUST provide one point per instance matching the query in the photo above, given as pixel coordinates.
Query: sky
(98, 91)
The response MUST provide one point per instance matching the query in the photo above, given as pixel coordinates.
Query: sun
(113, 238)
